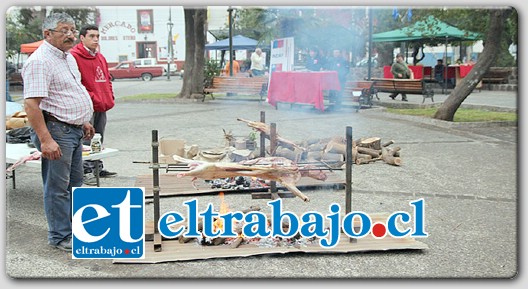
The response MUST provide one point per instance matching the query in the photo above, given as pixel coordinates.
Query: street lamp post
(230, 11)
(369, 74)
(169, 45)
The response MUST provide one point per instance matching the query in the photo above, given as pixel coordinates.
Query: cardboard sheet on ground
(173, 250)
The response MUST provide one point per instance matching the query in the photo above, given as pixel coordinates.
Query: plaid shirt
(53, 75)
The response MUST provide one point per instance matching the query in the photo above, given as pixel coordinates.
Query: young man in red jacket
(96, 78)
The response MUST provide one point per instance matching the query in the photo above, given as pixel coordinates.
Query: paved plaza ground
(467, 175)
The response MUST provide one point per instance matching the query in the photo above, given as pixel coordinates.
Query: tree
(193, 77)
(24, 25)
(497, 22)
(327, 28)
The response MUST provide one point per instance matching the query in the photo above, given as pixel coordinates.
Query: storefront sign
(106, 27)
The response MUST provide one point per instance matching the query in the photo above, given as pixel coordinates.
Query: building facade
(131, 32)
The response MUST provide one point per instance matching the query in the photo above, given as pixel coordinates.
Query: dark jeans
(59, 177)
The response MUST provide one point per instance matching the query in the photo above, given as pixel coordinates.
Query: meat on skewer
(285, 173)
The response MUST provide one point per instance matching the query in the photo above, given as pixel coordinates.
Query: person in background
(439, 71)
(339, 64)
(236, 67)
(257, 63)
(59, 109)
(400, 70)
(314, 61)
(96, 78)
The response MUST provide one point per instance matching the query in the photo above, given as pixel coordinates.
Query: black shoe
(392, 96)
(64, 245)
(106, 174)
(404, 99)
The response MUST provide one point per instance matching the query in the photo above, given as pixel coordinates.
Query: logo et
(108, 223)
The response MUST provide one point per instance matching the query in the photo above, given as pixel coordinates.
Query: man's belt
(49, 117)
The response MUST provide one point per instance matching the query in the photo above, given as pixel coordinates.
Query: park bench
(361, 92)
(242, 85)
(407, 86)
(496, 75)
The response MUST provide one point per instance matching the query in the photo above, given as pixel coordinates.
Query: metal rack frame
(157, 239)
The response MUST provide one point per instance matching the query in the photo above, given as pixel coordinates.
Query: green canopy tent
(428, 29)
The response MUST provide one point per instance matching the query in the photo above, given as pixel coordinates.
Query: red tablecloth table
(301, 87)
(462, 71)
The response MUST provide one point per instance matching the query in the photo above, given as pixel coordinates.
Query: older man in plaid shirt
(59, 109)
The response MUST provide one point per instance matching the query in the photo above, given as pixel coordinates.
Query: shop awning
(28, 48)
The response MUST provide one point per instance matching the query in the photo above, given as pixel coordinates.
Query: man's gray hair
(54, 19)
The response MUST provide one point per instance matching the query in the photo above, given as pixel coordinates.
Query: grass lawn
(462, 114)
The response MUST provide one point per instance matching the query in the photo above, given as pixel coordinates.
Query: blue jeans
(59, 177)
(256, 72)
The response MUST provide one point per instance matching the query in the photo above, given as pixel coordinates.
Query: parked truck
(148, 62)
(128, 69)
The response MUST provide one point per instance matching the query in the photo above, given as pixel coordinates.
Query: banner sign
(282, 53)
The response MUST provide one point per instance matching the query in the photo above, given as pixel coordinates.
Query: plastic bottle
(96, 143)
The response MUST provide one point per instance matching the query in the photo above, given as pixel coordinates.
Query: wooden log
(316, 147)
(332, 157)
(182, 239)
(371, 142)
(314, 155)
(311, 141)
(192, 151)
(374, 153)
(395, 151)
(287, 153)
(389, 158)
(218, 241)
(238, 240)
(364, 156)
(386, 144)
(293, 154)
(328, 157)
(335, 146)
(361, 161)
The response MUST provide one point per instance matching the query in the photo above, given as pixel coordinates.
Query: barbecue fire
(267, 242)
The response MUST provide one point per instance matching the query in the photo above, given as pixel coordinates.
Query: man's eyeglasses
(66, 31)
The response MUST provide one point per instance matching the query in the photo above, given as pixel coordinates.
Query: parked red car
(128, 69)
